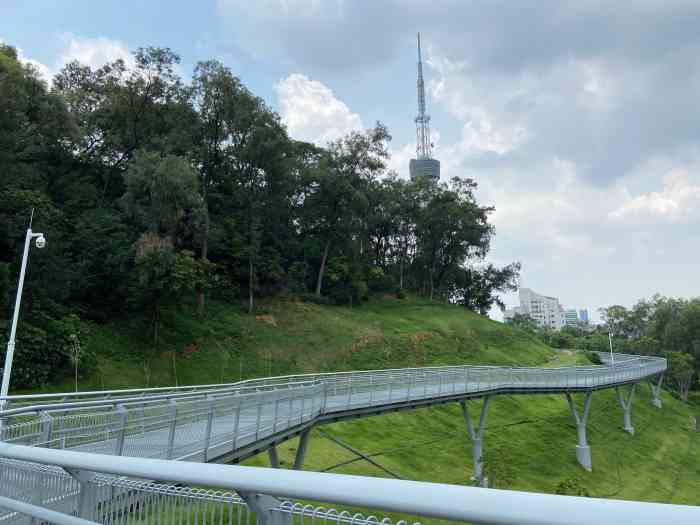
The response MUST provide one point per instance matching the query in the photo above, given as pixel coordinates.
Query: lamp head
(40, 241)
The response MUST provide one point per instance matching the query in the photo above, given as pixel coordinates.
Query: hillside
(529, 442)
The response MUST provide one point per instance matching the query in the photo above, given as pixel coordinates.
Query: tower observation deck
(424, 165)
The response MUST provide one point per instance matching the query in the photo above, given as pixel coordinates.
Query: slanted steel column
(476, 436)
(301, 451)
(626, 407)
(264, 507)
(87, 499)
(656, 391)
(274, 458)
(583, 450)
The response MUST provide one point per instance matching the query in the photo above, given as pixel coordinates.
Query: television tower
(424, 165)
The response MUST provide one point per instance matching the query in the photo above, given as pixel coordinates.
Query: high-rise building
(424, 165)
(583, 316)
(544, 310)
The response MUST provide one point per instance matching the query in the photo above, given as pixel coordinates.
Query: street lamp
(612, 356)
(40, 243)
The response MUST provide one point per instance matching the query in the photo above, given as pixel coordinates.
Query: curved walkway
(226, 423)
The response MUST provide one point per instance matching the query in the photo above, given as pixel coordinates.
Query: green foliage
(572, 487)
(594, 358)
(151, 190)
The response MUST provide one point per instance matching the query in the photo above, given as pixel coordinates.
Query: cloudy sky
(578, 119)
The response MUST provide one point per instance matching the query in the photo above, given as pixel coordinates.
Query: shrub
(594, 358)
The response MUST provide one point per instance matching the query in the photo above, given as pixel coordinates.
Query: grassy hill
(529, 441)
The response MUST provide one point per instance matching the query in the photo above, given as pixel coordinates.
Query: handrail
(437, 500)
(163, 393)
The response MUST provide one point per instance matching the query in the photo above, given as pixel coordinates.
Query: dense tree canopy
(153, 191)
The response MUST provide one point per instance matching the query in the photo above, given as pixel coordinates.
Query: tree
(162, 198)
(451, 228)
(335, 209)
(681, 371)
(477, 288)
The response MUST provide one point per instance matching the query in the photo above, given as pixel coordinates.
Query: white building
(544, 310)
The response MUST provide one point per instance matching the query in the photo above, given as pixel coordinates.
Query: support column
(656, 392)
(265, 507)
(274, 458)
(583, 450)
(476, 436)
(301, 451)
(627, 407)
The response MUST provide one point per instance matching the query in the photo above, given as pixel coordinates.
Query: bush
(400, 294)
(572, 487)
(594, 358)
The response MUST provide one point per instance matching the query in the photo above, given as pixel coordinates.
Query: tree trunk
(203, 256)
(401, 272)
(319, 282)
(251, 299)
(432, 284)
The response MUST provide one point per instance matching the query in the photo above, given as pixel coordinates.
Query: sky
(577, 119)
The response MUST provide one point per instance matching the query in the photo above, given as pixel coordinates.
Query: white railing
(430, 500)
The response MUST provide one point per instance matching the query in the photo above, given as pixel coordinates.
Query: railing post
(236, 423)
(209, 427)
(274, 416)
(46, 427)
(171, 432)
(265, 508)
(87, 498)
(257, 421)
(122, 415)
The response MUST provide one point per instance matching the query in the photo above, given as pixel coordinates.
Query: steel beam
(274, 458)
(301, 450)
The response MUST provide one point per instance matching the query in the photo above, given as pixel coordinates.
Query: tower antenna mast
(423, 146)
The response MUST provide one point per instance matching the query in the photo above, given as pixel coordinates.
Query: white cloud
(95, 52)
(311, 111)
(678, 199)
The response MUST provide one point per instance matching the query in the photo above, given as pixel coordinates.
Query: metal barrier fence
(120, 501)
(109, 498)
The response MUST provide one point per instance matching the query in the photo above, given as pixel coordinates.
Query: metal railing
(109, 498)
(208, 422)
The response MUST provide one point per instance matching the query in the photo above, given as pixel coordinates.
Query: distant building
(583, 316)
(544, 310)
(571, 318)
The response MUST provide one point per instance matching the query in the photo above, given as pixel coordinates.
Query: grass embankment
(529, 441)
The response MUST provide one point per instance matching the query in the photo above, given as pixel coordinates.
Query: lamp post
(40, 243)
(612, 356)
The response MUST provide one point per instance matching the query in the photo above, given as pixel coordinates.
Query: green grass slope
(529, 441)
